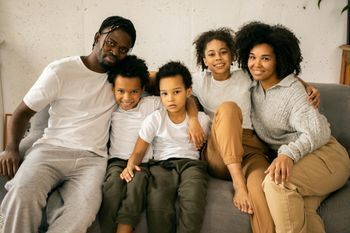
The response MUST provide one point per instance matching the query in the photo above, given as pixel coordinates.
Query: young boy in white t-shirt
(123, 203)
(177, 174)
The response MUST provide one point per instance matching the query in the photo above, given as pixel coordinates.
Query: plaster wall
(36, 32)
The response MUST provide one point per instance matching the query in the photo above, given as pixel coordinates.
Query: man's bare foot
(241, 201)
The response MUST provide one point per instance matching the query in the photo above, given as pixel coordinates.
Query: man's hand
(314, 96)
(128, 172)
(9, 163)
(280, 169)
(10, 158)
(196, 133)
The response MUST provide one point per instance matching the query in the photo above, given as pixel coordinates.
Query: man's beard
(106, 67)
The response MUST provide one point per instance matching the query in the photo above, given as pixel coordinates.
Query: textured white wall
(37, 32)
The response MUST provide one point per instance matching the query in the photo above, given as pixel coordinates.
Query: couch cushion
(335, 210)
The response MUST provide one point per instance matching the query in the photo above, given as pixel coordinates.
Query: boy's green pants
(122, 202)
(176, 183)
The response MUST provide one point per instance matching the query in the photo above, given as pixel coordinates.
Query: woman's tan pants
(293, 205)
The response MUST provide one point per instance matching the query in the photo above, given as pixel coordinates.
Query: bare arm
(135, 160)
(195, 131)
(10, 159)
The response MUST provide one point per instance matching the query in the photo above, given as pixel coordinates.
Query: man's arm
(151, 85)
(10, 159)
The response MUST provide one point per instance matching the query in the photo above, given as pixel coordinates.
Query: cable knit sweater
(283, 118)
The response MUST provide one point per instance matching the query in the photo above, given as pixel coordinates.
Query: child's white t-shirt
(81, 104)
(170, 140)
(211, 93)
(125, 126)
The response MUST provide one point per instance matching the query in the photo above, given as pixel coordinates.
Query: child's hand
(314, 96)
(128, 173)
(241, 201)
(196, 133)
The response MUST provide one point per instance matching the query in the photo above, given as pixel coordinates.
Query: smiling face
(218, 59)
(127, 91)
(112, 47)
(173, 94)
(262, 65)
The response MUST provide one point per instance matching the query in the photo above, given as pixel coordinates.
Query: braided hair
(118, 22)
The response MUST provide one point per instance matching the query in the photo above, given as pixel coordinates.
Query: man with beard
(72, 152)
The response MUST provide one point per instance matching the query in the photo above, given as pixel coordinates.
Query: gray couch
(220, 215)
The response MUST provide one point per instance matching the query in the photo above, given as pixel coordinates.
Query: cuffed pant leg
(192, 196)
(316, 174)
(254, 168)
(224, 144)
(254, 165)
(162, 194)
(135, 199)
(114, 190)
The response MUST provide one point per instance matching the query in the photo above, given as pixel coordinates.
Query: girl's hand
(280, 169)
(128, 173)
(196, 133)
(314, 96)
(241, 201)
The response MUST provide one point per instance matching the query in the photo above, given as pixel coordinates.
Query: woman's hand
(280, 169)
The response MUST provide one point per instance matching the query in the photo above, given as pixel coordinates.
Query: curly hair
(283, 41)
(223, 34)
(130, 67)
(174, 68)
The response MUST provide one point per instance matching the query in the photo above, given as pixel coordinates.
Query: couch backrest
(335, 105)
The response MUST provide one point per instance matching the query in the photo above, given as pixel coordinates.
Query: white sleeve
(150, 127)
(44, 90)
(196, 80)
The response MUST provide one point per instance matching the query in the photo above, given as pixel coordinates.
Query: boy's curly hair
(174, 68)
(130, 67)
(283, 42)
(223, 34)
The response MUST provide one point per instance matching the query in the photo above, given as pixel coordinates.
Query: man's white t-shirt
(81, 104)
(126, 125)
(211, 93)
(170, 140)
